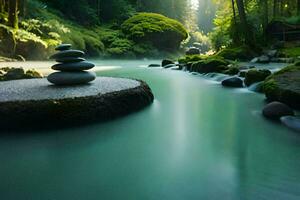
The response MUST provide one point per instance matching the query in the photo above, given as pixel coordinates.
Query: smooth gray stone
(37, 102)
(63, 47)
(67, 53)
(276, 110)
(71, 78)
(69, 59)
(78, 66)
(291, 122)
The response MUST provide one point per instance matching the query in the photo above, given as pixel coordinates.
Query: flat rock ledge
(36, 100)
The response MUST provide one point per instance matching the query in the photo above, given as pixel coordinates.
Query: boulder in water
(276, 110)
(291, 122)
(154, 65)
(166, 62)
(284, 86)
(233, 82)
(254, 76)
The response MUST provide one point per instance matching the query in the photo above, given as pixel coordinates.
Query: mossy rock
(284, 86)
(162, 32)
(232, 70)
(190, 58)
(211, 64)
(254, 76)
(237, 53)
(9, 73)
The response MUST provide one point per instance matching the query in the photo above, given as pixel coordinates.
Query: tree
(244, 24)
(298, 7)
(13, 14)
(22, 7)
(2, 4)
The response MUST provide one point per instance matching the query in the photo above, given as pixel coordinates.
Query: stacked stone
(71, 68)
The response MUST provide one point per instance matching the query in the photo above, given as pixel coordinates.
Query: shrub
(162, 32)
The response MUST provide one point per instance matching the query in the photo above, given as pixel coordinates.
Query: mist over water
(196, 141)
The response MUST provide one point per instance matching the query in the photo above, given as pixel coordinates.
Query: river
(196, 141)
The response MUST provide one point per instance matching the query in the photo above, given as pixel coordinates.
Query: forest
(29, 29)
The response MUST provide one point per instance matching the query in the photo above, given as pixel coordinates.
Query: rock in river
(71, 78)
(77, 66)
(233, 82)
(67, 53)
(276, 110)
(166, 62)
(291, 122)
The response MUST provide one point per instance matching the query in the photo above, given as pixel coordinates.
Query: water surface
(196, 141)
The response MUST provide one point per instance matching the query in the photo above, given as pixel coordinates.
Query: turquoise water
(196, 141)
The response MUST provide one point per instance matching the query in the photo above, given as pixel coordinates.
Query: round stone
(291, 122)
(78, 66)
(71, 78)
(38, 103)
(233, 82)
(69, 59)
(67, 53)
(63, 47)
(276, 110)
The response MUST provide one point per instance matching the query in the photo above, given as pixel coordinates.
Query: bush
(162, 32)
(237, 53)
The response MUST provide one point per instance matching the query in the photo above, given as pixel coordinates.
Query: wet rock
(291, 122)
(262, 59)
(166, 62)
(276, 110)
(154, 65)
(233, 82)
(284, 86)
(254, 76)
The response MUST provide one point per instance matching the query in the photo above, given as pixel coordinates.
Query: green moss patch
(284, 86)
(162, 32)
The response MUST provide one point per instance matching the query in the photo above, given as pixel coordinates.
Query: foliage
(237, 53)
(160, 31)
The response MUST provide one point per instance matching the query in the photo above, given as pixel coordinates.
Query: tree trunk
(2, 4)
(233, 10)
(22, 7)
(13, 14)
(298, 7)
(244, 24)
(275, 8)
(265, 13)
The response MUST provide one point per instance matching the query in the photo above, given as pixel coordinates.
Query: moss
(291, 52)
(191, 58)
(210, 64)
(233, 70)
(254, 76)
(162, 32)
(284, 86)
(237, 53)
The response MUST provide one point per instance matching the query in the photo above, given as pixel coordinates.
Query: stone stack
(71, 67)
